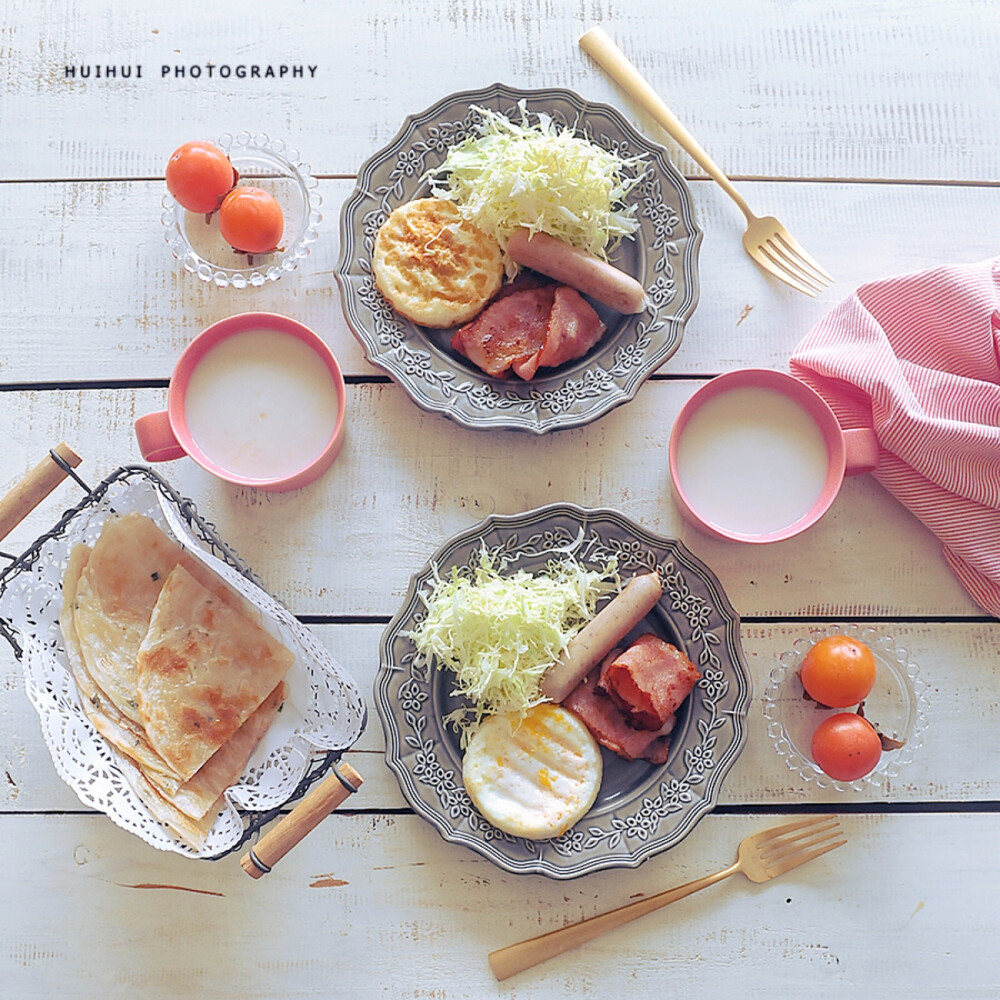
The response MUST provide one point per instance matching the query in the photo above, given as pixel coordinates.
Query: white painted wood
(853, 89)
(101, 291)
(392, 499)
(869, 128)
(380, 906)
(957, 762)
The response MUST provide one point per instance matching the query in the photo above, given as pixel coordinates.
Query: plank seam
(690, 178)
(924, 808)
(318, 618)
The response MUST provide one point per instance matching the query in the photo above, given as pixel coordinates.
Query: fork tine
(800, 830)
(800, 859)
(787, 262)
(765, 262)
(795, 824)
(801, 842)
(792, 261)
(805, 257)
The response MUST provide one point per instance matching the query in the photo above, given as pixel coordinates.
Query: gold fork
(766, 239)
(760, 857)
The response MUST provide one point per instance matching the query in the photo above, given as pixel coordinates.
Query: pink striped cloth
(917, 357)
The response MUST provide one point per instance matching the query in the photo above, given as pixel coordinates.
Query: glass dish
(896, 707)
(267, 163)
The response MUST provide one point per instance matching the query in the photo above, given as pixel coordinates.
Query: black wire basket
(207, 534)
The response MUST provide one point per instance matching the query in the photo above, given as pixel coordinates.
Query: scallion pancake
(203, 669)
(197, 795)
(115, 596)
(187, 806)
(116, 593)
(121, 732)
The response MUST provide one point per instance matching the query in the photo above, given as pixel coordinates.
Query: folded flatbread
(115, 596)
(122, 733)
(192, 831)
(196, 796)
(110, 597)
(201, 791)
(202, 670)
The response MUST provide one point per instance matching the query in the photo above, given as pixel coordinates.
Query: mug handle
(862, 451)
(156, 438)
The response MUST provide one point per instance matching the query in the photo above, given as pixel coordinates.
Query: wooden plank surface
(390, 501)
(102, 292)
(957, 661)
(868, 127)
(379, 906)
(771, 88)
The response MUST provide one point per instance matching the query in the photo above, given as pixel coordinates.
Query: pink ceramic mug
(256, 399)
(757, 456)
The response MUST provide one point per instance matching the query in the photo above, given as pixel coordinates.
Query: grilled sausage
(579, 269)
(600, 635)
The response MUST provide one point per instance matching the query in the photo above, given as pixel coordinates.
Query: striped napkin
(917, 357)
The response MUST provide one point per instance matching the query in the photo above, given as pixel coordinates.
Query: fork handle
(598, 44)
(506, 962)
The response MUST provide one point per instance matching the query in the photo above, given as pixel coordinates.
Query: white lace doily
(323, 709)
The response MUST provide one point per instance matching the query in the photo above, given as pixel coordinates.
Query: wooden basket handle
(307, 815)
(26, 495)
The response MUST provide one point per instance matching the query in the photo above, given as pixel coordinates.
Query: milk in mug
(751, 461)
(261, 404)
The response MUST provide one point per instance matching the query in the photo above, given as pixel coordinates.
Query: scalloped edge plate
(663, 255)
(642, 809)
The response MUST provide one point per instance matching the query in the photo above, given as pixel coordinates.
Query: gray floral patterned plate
(641, 809)
(663, 255)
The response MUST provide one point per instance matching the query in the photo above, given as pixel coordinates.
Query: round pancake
(535, 776)
(433, 266)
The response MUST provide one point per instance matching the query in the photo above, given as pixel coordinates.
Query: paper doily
(323, 709)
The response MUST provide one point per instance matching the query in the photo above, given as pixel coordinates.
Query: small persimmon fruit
(199, 175)
(250, 220)
(838, 671)
(846, 746)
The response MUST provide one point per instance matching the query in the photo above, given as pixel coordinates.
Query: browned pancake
(115, 596)
(203, 669)
(433, 266)
(111, 594)
(195, 796)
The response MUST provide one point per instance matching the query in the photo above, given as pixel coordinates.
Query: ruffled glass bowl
(267, 163)
(896, 707)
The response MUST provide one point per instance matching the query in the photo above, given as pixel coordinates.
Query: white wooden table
(869, 128)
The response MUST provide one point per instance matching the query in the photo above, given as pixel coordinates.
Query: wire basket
(328, 712)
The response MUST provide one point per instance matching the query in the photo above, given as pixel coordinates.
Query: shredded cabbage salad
(499, 633)
(542, 177)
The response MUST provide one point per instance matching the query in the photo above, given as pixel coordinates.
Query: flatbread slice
(203, 669)
(196, 796)
(115, 596)
(122, 733)
(191, 831)
(116, 593)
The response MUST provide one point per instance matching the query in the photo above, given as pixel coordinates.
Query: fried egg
(533, 776)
